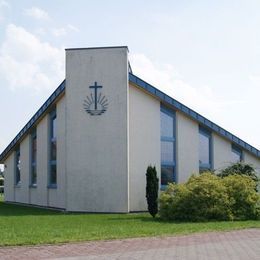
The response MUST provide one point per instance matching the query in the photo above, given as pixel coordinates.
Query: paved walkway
(242, 244)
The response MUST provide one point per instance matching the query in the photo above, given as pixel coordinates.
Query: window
(168, 172)
(33, 158)
(53, 150)
(17, 166)
(205, 150)
(237, 155)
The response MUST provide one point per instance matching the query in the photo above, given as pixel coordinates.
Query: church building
(88, 146)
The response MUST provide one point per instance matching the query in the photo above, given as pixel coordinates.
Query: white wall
(144, 144)
(9, 178)
(254, 161)
(187, 147)
(39, 195)
(22, 191)
(222, 152)
(57, 197)
(97, 146)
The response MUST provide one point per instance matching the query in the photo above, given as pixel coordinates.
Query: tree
(152, 186)
(240, 168)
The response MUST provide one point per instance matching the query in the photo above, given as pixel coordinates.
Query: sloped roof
(151, 90)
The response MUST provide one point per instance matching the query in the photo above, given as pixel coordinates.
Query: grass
(30, 226)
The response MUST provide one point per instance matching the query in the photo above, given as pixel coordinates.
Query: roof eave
(35, 118)
(192, 114)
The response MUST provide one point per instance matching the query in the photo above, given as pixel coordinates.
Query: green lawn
(24, 225)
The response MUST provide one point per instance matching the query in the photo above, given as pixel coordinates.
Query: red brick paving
(241, 244)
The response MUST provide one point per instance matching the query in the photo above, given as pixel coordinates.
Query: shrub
(208, 197)
(243, 197)
(152, 187)
(203, 197)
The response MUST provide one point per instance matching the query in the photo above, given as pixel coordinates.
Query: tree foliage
(240, 168)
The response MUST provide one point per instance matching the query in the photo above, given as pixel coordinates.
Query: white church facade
(88, 146)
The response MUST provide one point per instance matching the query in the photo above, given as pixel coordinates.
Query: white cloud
(28, 63)
(57, 32)
(37, 13)
(255, 79)
(3, 6)
(3, 3)
(40, 31)
(73, 28)
(167, 78)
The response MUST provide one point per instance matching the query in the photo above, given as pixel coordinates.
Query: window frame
(238, 151)
(33, 164)
(52, 117)
(172, 114)
(206, 166)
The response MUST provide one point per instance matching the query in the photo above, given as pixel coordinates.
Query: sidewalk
(241, 244)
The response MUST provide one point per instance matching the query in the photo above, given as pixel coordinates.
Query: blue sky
(205, 54)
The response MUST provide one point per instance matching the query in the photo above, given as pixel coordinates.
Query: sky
(205, 54)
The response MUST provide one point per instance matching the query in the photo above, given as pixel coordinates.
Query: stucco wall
(187, 147)
(144, 144)
(222, 152)
(22, 191)
(57, 197)
(39, 194)
(251, 159)
(9, 178)
(97, 146)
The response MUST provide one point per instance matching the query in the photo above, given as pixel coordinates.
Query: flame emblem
(95, 104)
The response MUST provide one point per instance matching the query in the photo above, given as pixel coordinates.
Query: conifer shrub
(152, 186)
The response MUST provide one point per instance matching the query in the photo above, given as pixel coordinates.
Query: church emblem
(96, 103)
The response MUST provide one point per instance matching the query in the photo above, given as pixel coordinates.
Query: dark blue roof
(150, 89)
(192, 114)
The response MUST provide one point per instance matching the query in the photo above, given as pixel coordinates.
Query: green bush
(209, 197)
(152, 187)
(243, 197)
(203, 197)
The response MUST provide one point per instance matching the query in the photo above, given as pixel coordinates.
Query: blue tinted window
(53, 149)
(167, 174)
(33, 158)
(167, 146)
(204, 149)
(17, 166)
(166, 124)
(236, 155)
(167, 151)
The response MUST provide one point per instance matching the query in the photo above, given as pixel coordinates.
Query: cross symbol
(95, 87)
